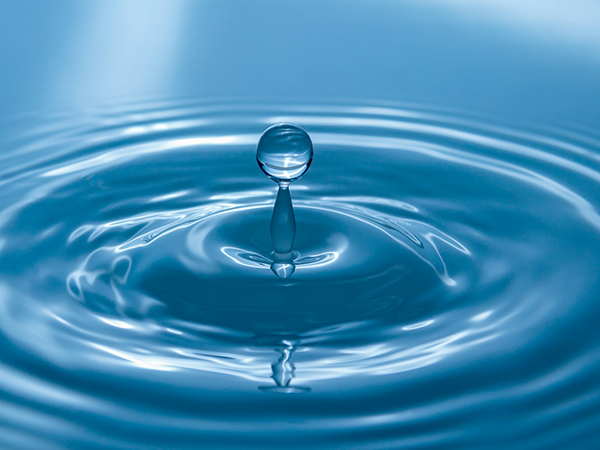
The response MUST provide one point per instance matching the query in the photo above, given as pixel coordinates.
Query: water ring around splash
(135, 244)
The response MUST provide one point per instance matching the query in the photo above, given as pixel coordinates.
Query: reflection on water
(284, 369)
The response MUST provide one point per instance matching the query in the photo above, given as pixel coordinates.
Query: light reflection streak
(171, 196)
(388, 358)
(133, 151)
(373, 201)
(143, 362)
(583, 206)
(482, 316)
(242, 195)
(418, 325)
(116, 323)
(185, 359)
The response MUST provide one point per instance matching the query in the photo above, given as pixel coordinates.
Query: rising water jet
(284, 153)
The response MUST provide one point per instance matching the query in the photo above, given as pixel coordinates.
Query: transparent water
(447, 233)
(284, 152)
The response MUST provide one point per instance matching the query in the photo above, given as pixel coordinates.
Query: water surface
(447, 244)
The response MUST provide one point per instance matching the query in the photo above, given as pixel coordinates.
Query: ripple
(432, 250)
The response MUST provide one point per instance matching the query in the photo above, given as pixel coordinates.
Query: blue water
(447, 240)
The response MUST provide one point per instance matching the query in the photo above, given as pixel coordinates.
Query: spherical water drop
(284, 152)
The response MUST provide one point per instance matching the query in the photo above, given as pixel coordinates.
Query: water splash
(284, 153)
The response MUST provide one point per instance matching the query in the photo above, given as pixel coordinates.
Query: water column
(284, 153)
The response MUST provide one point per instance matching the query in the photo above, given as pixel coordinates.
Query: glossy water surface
(445, 289)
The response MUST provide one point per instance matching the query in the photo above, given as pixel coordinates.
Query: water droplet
(284, 152)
